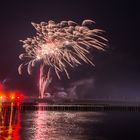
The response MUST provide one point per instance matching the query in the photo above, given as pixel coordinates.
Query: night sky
(117, 71)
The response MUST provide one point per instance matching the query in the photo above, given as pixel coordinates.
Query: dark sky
(117, 72)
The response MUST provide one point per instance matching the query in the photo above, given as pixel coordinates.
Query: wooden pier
(70, 107)
(80, 108)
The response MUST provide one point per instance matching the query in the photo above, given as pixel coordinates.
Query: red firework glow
(10, 96)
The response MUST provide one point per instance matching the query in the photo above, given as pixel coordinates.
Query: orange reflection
(9, 121)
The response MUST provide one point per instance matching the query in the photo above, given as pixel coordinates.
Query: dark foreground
(19, 124)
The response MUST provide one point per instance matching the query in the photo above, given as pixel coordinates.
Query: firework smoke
(60, 44)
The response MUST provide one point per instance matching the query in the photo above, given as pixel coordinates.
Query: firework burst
(60, 44)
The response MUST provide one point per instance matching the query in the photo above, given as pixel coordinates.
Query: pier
(80, 108)
(73, 106)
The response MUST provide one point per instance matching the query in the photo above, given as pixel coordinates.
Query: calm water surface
(49, 125)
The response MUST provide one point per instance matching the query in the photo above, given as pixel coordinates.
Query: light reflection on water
(9, 122)
(47, 125)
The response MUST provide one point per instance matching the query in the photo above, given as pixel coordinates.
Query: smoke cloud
(82, 89)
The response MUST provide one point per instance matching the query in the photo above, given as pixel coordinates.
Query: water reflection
(48, 125)
(9, 121)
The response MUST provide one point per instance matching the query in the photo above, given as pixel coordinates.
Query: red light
(19, 98)
(10, 96)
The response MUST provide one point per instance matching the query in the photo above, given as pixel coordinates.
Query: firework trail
(44, 81)
(60, 44)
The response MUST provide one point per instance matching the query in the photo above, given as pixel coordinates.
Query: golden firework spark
(58, 44)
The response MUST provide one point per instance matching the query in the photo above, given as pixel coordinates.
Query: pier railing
(70, 107)
(80, 108)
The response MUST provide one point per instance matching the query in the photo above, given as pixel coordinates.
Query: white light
(67, 42)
